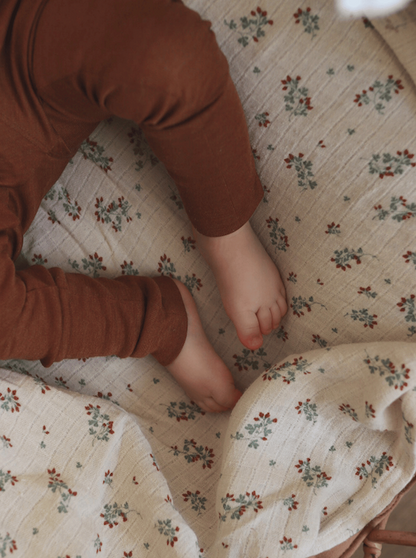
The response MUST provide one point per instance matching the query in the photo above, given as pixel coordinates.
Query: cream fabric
(370, 7)
(155, 477)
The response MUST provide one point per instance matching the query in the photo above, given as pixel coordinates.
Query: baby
(65, 66)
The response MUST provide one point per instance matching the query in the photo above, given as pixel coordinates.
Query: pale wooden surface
(403, 518)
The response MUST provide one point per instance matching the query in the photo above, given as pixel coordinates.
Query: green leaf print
(5, 478)
(291, 503)
(282, 334)
(72, 209)
(396, 210)
(292, 277)
(258, 431)
(251, 27)
(250, 359)
(107, 397)
(10, 401)
(288, 370)
(198, 502)
(45, 433)
(395, 377)
(408, 305)
(193, 453)
(17, 366)
(308, 409)
(263, 121)
(108, 478)
(410, 257)
(113, 213)
(166, 528)
(374, 466)
(183, 411)
(333, 229)
(61, 383)
(97, 544)
(343, 257)
(95, 153)
(91, 266)
(369, 410)
(128, 269)
(189, 243)
(166, 267)
(398, 377)
(192, 282)
(142, 149)
(53, 218)
(367, 292)
(348, 410)
(112, 513)
(390, 165)
(309, 21)
(266, 194)
(299, 303)
(7, 544)
(287, 544)
(408, 430)
(57, 189)
(362, 315)
(39, 260)
(277, 234)
(319, 341)
(40, 382)
(312, 476)
(5, 442)
(378, 92)
(175, 198)
(240, 505)
(56, 484)
(303, 169)
(101, 427)
(297, 101)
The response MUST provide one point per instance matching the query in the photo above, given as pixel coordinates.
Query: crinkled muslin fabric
(107, 456)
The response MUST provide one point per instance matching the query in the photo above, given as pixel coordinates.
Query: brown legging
(65, 65)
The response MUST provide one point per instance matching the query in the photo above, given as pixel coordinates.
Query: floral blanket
(107, 456)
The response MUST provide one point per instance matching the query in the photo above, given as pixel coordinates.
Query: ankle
(214, 243)
(240, 231)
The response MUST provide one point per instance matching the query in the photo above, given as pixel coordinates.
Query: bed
(108, 456)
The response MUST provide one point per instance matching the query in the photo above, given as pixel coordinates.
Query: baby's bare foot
(198, 369)
(251, 289)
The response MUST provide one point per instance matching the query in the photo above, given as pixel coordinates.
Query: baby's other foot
(251, 289)
(198, 369)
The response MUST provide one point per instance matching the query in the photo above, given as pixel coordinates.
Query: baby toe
(276, 315)
(248, 330)
(282, 303)
(265, 319)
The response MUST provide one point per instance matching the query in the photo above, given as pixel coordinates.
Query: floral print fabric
(108, 457)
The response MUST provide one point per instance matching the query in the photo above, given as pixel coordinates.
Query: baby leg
(165, 71)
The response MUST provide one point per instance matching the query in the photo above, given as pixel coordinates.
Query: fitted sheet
(108, 455)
